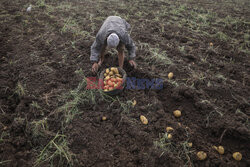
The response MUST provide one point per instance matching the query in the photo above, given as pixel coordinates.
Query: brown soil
(35, 54)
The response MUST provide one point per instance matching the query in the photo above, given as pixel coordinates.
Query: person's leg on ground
(102, 55)
(121, 54)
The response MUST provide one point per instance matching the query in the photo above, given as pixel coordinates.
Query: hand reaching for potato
(95, 67)
(133, 63)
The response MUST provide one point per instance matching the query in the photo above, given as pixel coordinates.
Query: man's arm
(95, 51)
(131, 48)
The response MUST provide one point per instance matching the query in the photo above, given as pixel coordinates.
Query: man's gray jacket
(113, 24)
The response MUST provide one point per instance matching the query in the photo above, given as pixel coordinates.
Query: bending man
(114, 33)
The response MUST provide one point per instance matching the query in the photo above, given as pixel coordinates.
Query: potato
(118, 75)
(119, 83)
(237, 156)
(190, 144)
(110, 83)
(211, 44)
(104, 118)
(105, 90)
(201, 155)
(134, 103)
(107, 71)
(220, 149)
(105, 74)
(119, 79)
(177, 113)
(168, 129)
(144, 120)
(116, 71)
(170, 75)
(111, 73)
(107, 78)
(169, 136)
(113, 79)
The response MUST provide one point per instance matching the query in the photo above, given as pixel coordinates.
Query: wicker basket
(116, 90)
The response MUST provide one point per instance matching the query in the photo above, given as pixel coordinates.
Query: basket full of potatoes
(113, 80)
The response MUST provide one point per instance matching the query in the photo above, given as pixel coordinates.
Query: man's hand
(133, 63)
(95, 67)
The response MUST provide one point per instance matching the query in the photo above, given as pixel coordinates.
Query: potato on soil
(201, 155)
(134, 103)
(177, 113)
(237, 156)
(168, 129)
(144, 120)
(170, 75)
(220, 149)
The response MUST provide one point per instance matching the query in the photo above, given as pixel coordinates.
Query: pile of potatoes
(112, 79)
